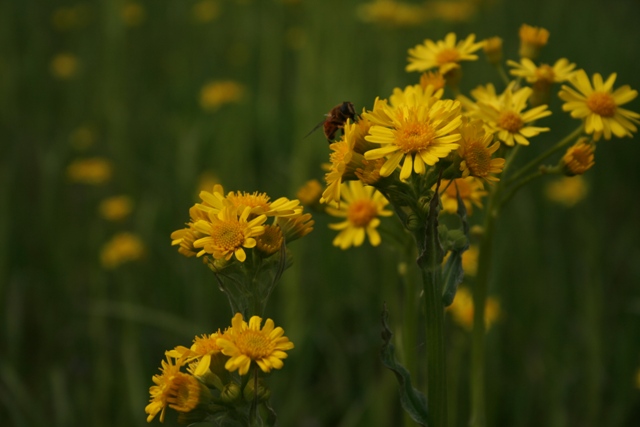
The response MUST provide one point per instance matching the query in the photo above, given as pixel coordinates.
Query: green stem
(535, 162)
(436, 366)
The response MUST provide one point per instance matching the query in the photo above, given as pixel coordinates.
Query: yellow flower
(361, 207)
(462, 309)
(451, 11)
(471, 192)
(116, 208)
(185, 238)
(245, 343)
(122, 248)
(543, 75)
(94, 171)
(419, 133)
(205, 11)
(294, 228)
(507, 119)
(270, 242)
(444, 54)
(347, 156)
(567, 191)
(227, 233)
(260, 203)
(432, 78)
(310, 193)
(470, 260)
(202, 350)
(133, 14)
(476, 151)
(493, 50)
(599, 106)
(175, 389)
(217, 93)
(579, 158)
(392, 13)
(64, 66)
(531, 40)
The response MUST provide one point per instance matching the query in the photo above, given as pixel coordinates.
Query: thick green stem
(436, 362)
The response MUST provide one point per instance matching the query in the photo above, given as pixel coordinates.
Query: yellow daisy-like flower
(476, 151)
(245, 343)
(175, 389)
(226, 233)
(507, 119)
(310, 193)
(471, 192)
(295, 228)
(567, 191)
(531, 40)
(543, 75)
(362, 205)
(462, 309)
(122, 248)
(493, 50)
(579, 158)
(270, 242)
(432, 78)
(599, 105)
(444, 54)
(260, 203)
(202, 350)
(420, 134)
(392, 13)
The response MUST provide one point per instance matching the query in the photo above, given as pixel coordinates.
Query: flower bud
(263, 393)
(231, 393)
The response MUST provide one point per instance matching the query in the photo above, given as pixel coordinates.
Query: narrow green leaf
(453, 274)
(412, 400)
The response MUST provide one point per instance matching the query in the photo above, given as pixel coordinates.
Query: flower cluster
(223, 227)
(215, 384)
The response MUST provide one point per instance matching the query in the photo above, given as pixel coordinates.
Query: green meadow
(126, 83)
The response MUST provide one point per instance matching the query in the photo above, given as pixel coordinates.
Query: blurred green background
(126, 82)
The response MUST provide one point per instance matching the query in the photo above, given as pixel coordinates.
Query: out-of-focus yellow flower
(217, 93)
(462, 309)
(579, 158)
(133, 14)
(432, 78)
(392, 13)
(542, 77)
(310, 193)
(470, 260)
(70, 18)
(205, 11)
(361, 207)
(65, 66)
(83, 137)
(116, 208)
(451, 11)
(444, 54)
(638, 378)
(531, 40)
(95, 170)
(567, 191)
(599, 105)
(493, 50)
(207, 181)
(122, 248)
(471, 192)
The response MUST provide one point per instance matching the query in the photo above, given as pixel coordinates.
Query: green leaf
(412, 400)
(453, 274)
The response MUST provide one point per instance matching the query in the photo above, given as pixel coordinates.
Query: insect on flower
(335, 120)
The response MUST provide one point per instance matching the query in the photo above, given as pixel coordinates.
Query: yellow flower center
(361, 212)
(545, 73)
(448, 55)
(228, 235)
(478, 160)
(270, 241)
(602, 104)
(185, 393)
(414, 136)
(510, 121)
(254, 344)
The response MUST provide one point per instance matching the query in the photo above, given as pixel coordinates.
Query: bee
(335, 120)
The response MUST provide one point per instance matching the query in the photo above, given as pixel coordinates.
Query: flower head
(414, 133)
(361, 207)
(392, 13)
(270, 242)
(65, 66)
(493, 50)
(122, 248)
(542, 77)
(599, 105)
(247, 342)
(579, 158)
(462, 309)
(444, 54)
(215, 94)
(259, 203)
(531, 40)
(567, 191)
(116, 208)
(507, 119)
(228, 232)
(94, 171)
(476, 151)
(432, 78)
